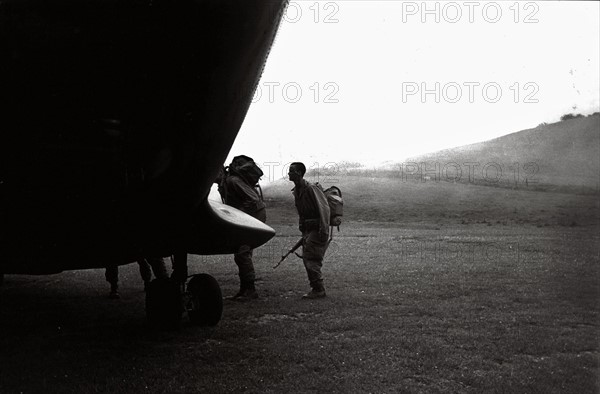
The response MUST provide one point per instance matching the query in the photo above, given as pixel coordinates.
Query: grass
(418, 301)
(402, 202)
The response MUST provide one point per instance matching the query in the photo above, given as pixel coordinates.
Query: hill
(563, 155)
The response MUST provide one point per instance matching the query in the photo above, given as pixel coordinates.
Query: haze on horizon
(344, 79)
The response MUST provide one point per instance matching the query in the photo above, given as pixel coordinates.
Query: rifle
(292, 250)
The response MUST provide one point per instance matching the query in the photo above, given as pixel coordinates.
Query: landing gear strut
(205, 301)
(164, 303)
(168, 298)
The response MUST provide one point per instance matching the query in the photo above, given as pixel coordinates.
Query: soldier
(313, 210)
(239, 192)
(152, 264)
(112, 276)
(158, 266)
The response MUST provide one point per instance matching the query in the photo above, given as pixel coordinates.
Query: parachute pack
(245, 168)
(336, 205)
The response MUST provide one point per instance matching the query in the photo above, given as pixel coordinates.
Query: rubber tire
(207, 300)
(164, 303)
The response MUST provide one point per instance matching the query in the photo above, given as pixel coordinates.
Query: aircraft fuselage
(119, 116)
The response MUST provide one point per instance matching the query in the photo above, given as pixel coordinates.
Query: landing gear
(205, 301)
(164, 303)
(167, 298)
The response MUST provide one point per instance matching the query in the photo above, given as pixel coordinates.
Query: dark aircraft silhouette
(117, 115)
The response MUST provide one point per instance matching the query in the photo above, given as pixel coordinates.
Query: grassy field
(432, 287)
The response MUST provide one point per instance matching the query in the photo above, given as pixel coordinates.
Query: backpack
(336, 205)
(245, 168)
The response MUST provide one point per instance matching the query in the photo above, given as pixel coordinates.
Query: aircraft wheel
(206, 300)
(164, 303)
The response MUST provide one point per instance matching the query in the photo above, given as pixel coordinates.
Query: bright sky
(360, 68)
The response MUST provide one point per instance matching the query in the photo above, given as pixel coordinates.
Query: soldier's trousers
(158, 267)
(312, 255)
(245, 266)
(156, 263)
(112, 275)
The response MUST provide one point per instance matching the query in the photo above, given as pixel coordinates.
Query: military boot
(114, 292)
(247, 292)
(316, 292)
